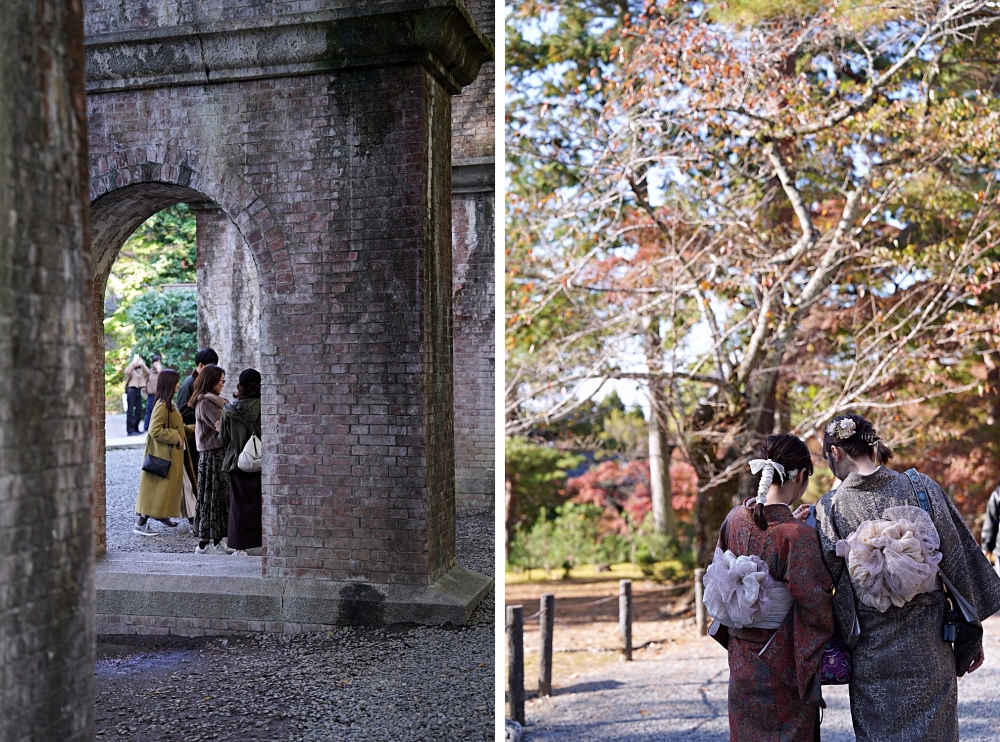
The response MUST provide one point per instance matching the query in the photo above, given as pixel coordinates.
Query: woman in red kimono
(769, 586)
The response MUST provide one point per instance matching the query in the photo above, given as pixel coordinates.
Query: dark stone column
(228, 294)
(46, 424)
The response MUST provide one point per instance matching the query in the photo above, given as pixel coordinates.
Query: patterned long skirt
(212, 518)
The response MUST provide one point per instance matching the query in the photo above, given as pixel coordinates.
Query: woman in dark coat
(241, 419)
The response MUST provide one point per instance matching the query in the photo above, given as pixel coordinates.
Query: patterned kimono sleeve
(963, 560)
(843, 599)
(810, 585)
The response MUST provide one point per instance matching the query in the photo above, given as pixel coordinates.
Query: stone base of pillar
(156, 594)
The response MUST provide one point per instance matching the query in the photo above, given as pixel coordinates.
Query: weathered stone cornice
(439, 34)
(473, 176)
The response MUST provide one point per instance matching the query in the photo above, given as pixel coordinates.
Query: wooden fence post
(699, 604)
(515, 662)
(546, 622)
(625, 616)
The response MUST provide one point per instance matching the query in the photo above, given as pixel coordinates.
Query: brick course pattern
(228, 295)
(473, 220)
(46, 417)
(355, 318)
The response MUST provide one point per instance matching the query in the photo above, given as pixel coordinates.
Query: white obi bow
(893, 559)
(740, 592)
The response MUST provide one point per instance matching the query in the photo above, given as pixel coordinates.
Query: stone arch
(126, 188)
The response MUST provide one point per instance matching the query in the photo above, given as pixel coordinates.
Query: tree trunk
(711, 509)
(713, 504)
(664, 520)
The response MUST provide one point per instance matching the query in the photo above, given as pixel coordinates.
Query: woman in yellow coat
(160, 497)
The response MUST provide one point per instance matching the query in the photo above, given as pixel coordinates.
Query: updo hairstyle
(864, 441)
(793, 455)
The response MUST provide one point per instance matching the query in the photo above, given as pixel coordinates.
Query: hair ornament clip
(768, 468)
(871, 438)
(842, 428)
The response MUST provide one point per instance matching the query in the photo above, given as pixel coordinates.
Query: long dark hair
(864, 442)
(789, 451)
(165, 387)
(204, 382)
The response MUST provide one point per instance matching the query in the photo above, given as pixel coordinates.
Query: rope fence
(546, 618)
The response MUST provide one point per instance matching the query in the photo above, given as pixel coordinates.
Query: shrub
(569, 535)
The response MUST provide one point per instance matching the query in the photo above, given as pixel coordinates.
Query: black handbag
(156, 466)
(965, 636)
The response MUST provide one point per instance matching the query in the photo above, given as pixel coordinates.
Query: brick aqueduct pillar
(473, 205)
(46, 530)
(313, 140)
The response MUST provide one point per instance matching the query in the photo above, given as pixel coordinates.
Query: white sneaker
(240, 552)
(144, 530)
(203, 549)
(220, 548)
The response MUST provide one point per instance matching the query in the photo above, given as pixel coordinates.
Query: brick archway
(171, 175)
(128, 187)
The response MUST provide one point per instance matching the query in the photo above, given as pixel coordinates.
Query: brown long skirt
(245, 505)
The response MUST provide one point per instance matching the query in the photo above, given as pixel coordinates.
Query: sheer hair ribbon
(768, 468)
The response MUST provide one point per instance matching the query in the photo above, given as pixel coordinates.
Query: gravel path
(122, 483)
(680, 695)
(399, 683)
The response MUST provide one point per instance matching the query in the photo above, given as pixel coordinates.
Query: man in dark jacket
(203, 357)
(990, 526)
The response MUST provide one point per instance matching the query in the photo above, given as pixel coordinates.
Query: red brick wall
(228, 295)
(473, 128)
(330, 179)
(475, 355)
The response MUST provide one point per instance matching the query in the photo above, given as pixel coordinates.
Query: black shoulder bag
(958, 628)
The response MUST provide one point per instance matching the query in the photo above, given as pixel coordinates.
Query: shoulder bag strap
(968, 612)
(918, 488)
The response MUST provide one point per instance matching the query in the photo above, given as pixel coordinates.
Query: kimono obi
(893, 559)
(741, 593)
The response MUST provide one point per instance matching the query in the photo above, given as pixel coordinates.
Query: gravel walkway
(122, 483)
(399, 683)
(680, 696)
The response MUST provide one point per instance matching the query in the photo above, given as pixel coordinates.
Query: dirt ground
(586, 636)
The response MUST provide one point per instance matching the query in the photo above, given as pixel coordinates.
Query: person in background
(154, 377)
(160, 497)
(213, 481)
(988, 538)
(202, 358)
(136, 374)
(240, 419)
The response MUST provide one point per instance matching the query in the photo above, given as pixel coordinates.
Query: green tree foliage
(142, 320)
(162, 250)
(804, 195)
(166, 322)
(570, 537)
(535, 480)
